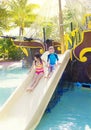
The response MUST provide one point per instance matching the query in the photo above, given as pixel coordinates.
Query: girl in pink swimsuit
(39, 71)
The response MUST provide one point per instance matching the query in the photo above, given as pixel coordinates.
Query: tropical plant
(68, 18)
(4, 21)
(22, 14)
(4, 47)
(8, 50)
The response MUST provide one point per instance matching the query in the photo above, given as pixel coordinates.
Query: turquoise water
(4, 94)
(9, 80)
(12, 77)
(72, 112)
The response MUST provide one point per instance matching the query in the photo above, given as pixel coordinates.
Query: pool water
(72, 112)
(9, 80)
(4, 94)
(12, 77)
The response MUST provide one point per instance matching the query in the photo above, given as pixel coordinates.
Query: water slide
(24, 110)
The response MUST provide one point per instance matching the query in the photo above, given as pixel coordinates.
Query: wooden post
(71, 25)
(44, 36)
(61, 28)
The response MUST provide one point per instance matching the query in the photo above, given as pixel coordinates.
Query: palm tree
(22, 14)
(4, 21)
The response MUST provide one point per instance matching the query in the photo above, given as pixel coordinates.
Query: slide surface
(24, 110)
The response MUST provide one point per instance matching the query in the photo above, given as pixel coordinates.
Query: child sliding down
(39, 71)
(52, 61)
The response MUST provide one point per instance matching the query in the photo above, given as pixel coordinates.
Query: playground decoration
(67, 40)
(84, 47)
(24, 51)
(85, 18)
(89, 25)
(30, 44)
(37, 44)
(80, 70)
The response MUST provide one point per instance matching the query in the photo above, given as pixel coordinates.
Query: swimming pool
(9, 80)
(72, 112)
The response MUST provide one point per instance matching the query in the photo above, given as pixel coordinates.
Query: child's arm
(48, 57)
(57, 59)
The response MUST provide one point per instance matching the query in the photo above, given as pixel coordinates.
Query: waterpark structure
(76, 60)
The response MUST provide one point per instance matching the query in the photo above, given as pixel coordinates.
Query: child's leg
(48, 75)
(37, 80)
(50, 70)
(33, 81)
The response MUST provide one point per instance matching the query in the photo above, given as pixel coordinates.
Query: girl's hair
(38, 56)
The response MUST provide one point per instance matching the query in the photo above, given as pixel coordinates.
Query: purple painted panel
(84, 44)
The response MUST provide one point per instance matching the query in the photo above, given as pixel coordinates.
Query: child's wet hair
(37, 55)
